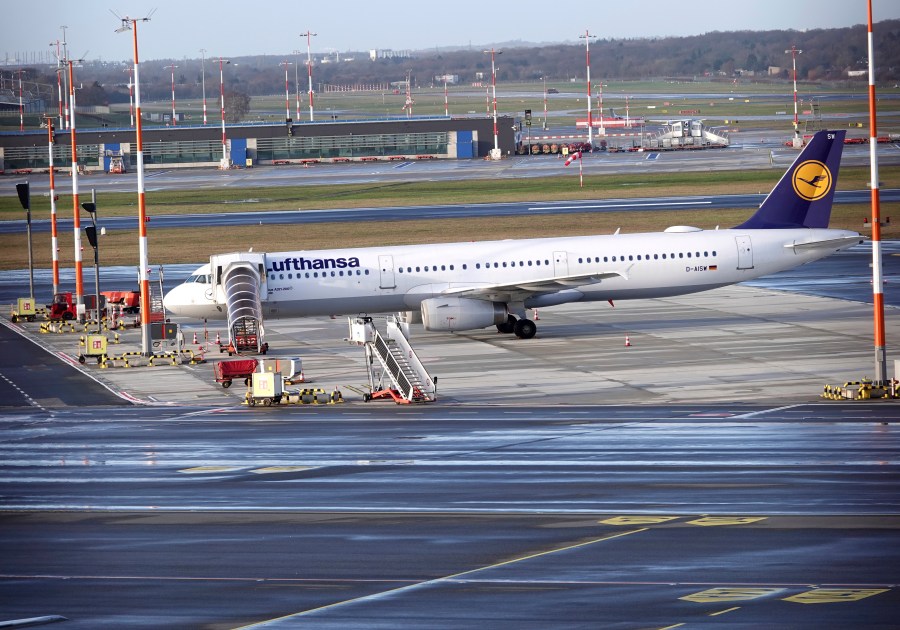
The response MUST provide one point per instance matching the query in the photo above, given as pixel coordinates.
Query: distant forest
(828, 55)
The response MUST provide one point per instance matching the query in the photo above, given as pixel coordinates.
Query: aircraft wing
(521, 290)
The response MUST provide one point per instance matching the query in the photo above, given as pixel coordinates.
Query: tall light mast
(59, 100)
(172, 67)
(203, 79)
(544, 79)
(794, 51)
(21, 103)
(54, 238)
(877, 279)
(309, 37)
(143, 256)
(287, 93)
(297, 86)
(76, 218)
(496, 153)
(587, 47)
(65, 77)
(224, 163)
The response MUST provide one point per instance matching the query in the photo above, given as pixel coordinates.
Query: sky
(231, 28)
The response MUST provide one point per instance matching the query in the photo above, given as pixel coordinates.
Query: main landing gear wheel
(525, 329)
(508, 326)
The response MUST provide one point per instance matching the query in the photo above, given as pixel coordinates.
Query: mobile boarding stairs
(396, 361)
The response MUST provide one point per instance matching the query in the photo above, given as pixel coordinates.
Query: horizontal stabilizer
(831, 243)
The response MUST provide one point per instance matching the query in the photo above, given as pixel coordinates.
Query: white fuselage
(391, 279)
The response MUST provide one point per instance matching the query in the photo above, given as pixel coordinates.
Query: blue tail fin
(803, 195)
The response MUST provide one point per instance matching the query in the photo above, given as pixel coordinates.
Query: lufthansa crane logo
(812, 180)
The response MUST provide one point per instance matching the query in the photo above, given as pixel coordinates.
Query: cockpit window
(201, 278)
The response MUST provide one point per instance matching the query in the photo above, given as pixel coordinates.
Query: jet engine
(454, 313)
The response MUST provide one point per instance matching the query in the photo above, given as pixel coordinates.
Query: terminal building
(414, 138)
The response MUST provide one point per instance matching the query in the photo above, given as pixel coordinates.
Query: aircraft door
(745, 252)
(560, 264)
(386, 266)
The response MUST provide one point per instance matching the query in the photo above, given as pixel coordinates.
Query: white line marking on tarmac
(447, 578)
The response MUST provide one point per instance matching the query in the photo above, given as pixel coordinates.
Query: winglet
(804, 194)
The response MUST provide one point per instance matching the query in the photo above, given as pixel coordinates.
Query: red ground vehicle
(227, 371)
(129, 301)
(63, 305)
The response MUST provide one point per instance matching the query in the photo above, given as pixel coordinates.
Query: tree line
(828, 55)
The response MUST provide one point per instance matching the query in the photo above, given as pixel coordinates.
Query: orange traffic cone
(536, 317)
(627, 341)
(218, 339)
(195, 342)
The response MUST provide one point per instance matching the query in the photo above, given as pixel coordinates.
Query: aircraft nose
(174, 300)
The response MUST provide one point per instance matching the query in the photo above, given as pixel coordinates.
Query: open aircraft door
(386, 265)
(745, 252)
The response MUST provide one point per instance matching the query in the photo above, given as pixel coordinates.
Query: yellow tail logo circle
(812, 180)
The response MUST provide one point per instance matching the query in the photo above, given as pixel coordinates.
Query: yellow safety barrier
(865, 389)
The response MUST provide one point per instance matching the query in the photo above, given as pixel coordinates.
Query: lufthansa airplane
(466, 286)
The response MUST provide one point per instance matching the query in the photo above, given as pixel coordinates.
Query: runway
(456, 211)
(447, 517)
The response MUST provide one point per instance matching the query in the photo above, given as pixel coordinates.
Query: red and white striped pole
(224, 163)
(54, 239)
(143, 262)
(173, 66)
(446, 102)
(287, 90)
(76, 218)
(59, 86)
(203, 80)
(877, 279)
(21, 104)
(587, 48)
(309, 37)
(143, 254)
